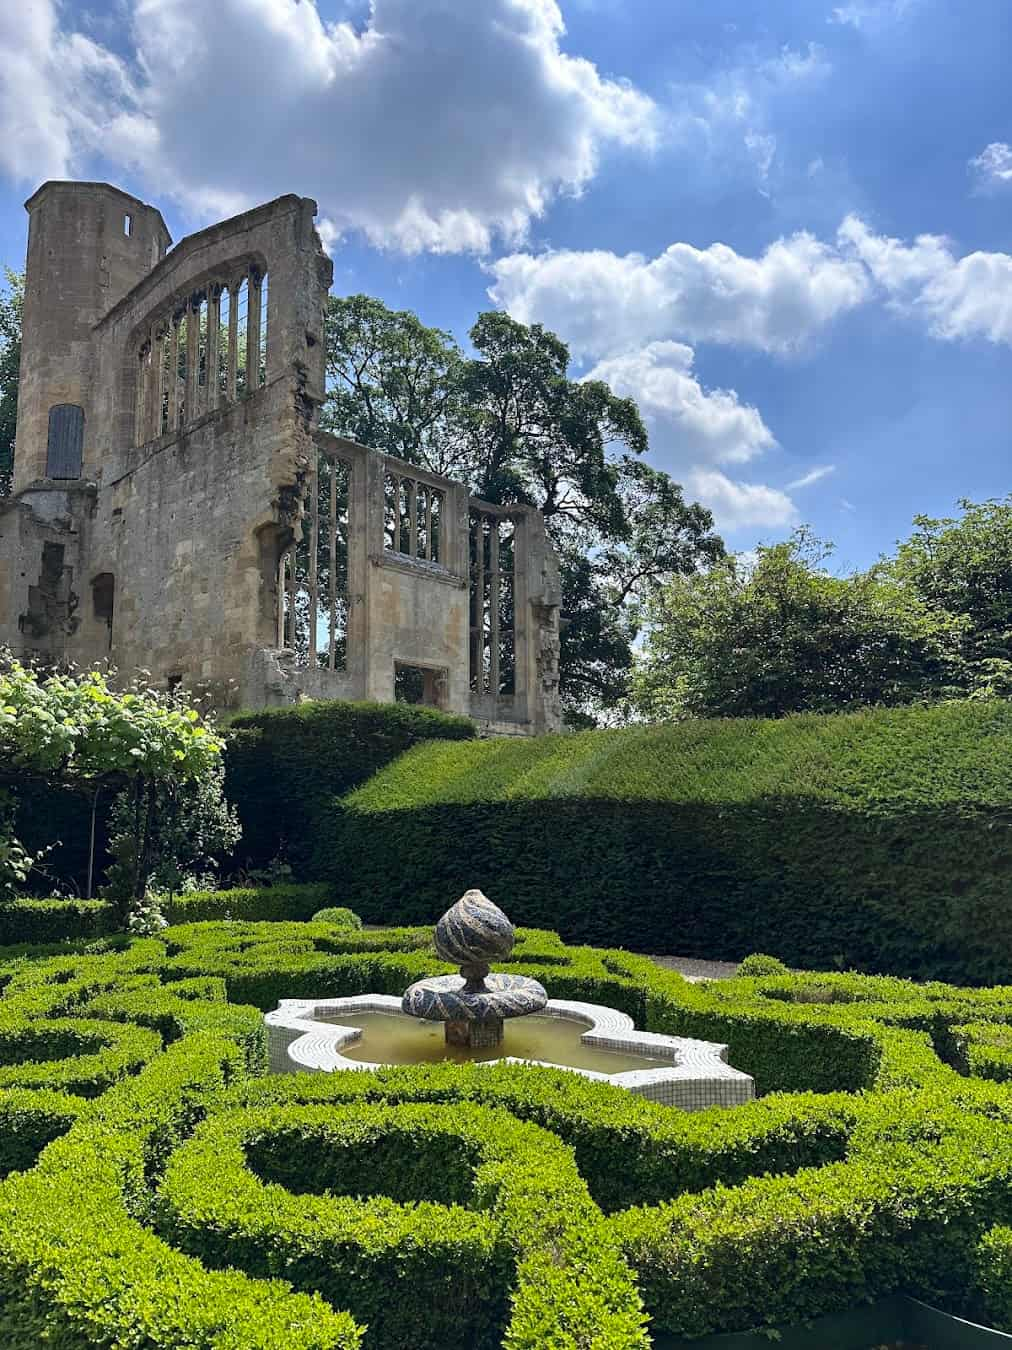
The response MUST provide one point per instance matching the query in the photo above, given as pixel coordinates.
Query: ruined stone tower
(177, 510)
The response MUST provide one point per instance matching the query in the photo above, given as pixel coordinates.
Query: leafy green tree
(11, 307)
(74, 731)
(511, 422)
(781, 634)
(963, 567)
(165, 833)
(395, 385)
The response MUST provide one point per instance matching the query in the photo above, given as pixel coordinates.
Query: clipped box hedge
(183, 1198)
(44, 921)
(880, 840)
(262, 902)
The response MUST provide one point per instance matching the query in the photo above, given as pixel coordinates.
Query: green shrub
(260, 903)
(984, 1049)
(41, 921)
(878, 840)
(79, 1056)
(77, 1267)
(994, 1275)
(29, 1120)
(757, 963)
(869, 1166)
(338, 916)
(284, 765)
(506, 1194)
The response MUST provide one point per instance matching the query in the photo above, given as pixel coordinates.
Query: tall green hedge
(284, 765)
(879, 840)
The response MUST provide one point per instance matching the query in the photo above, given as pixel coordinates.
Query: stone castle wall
(167, 473)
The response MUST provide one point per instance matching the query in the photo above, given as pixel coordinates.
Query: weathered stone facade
(177, 510)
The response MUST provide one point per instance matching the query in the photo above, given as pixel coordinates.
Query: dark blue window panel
(66, 441)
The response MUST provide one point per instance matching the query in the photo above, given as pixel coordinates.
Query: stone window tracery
(493, 603)
(413, 517)
(313, 572)
(204, 353)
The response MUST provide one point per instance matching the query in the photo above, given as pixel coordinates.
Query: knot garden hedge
(161, 1191)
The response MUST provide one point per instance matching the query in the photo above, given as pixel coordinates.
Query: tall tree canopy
(11, 305)
(512, 423)
(963, 567)
(780, 634)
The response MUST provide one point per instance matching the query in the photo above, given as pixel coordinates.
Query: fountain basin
(309, 1035)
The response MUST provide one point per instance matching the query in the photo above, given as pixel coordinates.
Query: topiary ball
(338, 916)
(760, 964)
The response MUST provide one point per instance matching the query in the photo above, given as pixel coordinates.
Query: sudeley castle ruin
(176, 508)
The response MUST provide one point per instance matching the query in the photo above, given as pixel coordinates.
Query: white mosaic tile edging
(699, 1075)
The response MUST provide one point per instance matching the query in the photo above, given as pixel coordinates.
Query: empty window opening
(412, 518)
(128, 225)
(224, 307)
(493, 614)
(103, 600)
(200, 318)
(313, 573)
(242, 315)
(65, 447)
(262, 377)
(424, 685)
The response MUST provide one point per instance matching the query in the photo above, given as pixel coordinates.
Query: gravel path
(694, 969)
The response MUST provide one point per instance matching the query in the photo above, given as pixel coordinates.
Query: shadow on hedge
(922, 893)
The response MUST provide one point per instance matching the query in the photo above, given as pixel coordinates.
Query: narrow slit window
(241, 373)
(224, 305)
(263, 331)
(128, 225)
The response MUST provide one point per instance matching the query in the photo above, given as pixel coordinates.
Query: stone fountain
(468, 1012)
(473, 1005)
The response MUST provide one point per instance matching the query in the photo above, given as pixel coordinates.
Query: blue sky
(785, 227)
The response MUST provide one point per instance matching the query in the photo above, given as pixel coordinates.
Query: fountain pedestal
(476, 1035)
(473, 1005)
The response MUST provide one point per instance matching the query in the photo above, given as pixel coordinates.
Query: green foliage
(878, 840)
(502, 1204)
(512, 423)
(248, 903)
(31, 1118)
(441, 1204)
(994, 1274)
(77, 1267)
(339, 916)
(42, 921)
(11, 307)
(162, 832)
(757, 963)
(984, 1049)
(782, 635)
(285, 765)
(963, 567)
(74, 730)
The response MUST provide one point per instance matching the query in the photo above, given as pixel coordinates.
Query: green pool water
(393, 1038)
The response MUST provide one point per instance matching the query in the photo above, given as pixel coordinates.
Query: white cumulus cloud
(738, 506)
(993, 166)
(956, 297)
(435, 124)
(604, 302)
(687, 422)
